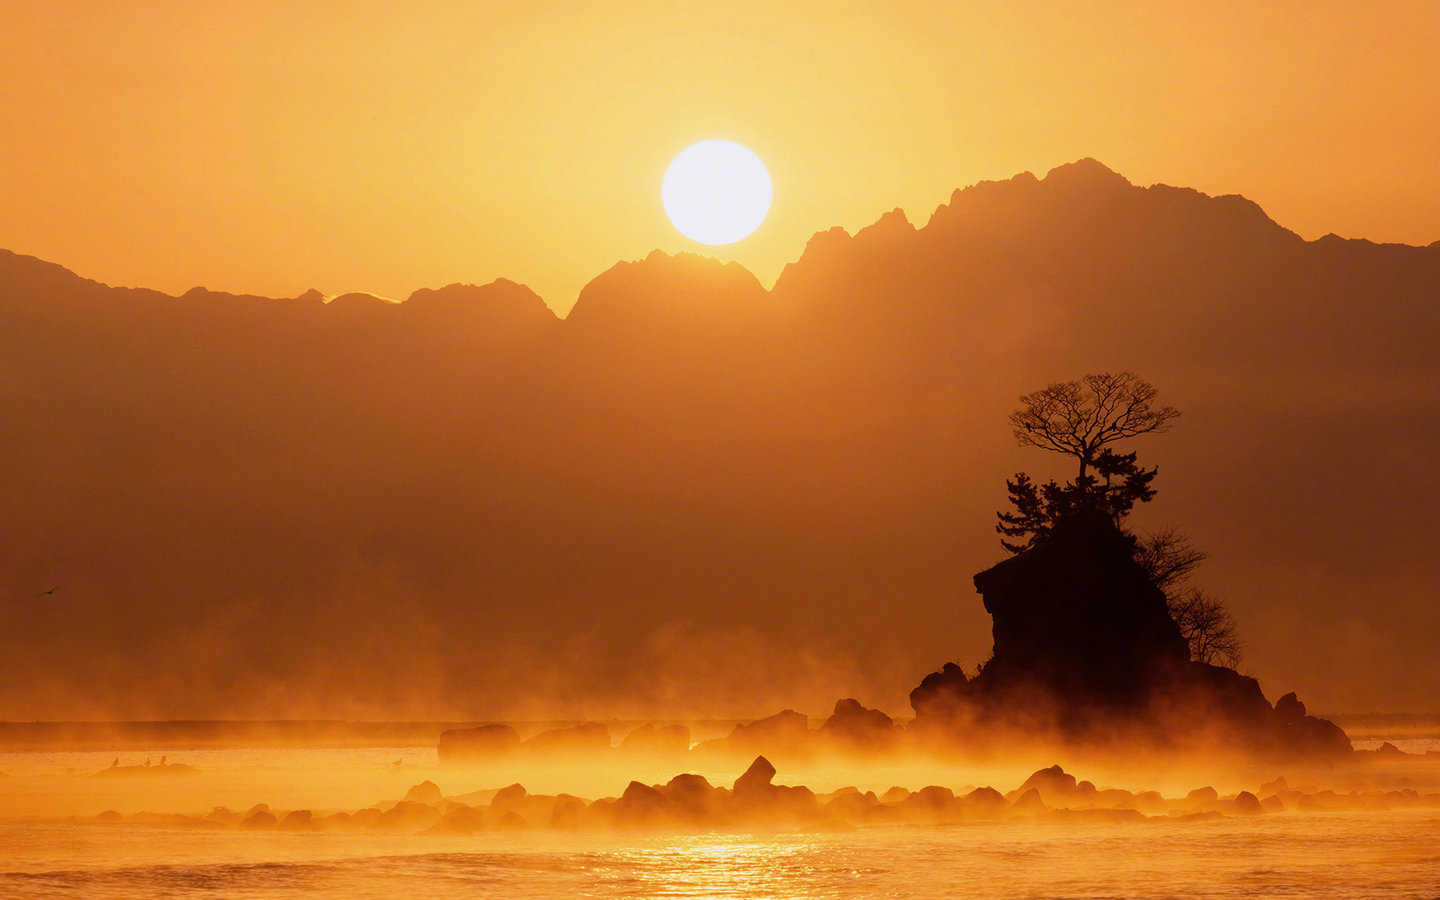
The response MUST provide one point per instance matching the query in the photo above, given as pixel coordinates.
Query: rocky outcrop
(1086, 650)
(690, 803)
(1078, 616)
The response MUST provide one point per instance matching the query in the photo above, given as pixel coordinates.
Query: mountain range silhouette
(694, 494)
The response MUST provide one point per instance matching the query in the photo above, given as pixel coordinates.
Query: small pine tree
(1119, 483)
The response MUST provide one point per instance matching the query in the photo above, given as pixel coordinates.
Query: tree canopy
(1079, 418)
(1119, 484)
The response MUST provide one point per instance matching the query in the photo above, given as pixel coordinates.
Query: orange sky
(270, 147)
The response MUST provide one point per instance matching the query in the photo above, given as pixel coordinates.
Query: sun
(716, 192)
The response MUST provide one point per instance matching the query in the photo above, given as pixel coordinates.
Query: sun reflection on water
(704, 866)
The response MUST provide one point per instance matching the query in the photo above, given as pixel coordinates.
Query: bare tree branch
(1168, 558)
(1078, 418)
(1208, 627)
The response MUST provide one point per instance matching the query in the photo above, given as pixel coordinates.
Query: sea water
(1379, 855)
(53, 846)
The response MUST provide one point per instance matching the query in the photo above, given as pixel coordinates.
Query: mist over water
(1356, 829)
(1343, 856)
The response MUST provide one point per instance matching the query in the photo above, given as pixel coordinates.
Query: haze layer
(694, 496)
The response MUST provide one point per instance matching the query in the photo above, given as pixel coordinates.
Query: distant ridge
(1077, 185)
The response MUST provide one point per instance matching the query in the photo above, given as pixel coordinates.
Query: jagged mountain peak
(502, 297)
(891, 223)
(1086, 172)
(665, 285)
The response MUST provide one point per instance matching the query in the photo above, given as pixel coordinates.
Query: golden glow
(716, 192)
(273, 147)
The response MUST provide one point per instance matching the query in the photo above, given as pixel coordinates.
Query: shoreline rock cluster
(1086, 652)
(689, 802)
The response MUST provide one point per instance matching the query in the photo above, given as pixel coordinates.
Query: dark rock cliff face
(1085, 649)
(1079, 616)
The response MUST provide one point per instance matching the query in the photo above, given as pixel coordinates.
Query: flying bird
(49, 592)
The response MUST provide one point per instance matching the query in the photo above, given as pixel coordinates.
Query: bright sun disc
(716, 192)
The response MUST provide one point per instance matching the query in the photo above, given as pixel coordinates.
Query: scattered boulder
(640, 805)
(424, 792)
(480, 744)
(754, 797)
(851, 806)
(858, 729)
(1274, 787)
(755, 782)
(894, 794)
(1028, 805)
(1202, 799)
(369, 819)
(408, 815)
(664, 740)
(297, 820)
(692, 796)
(1110, 797)
(512, 821)
(932, 803)
(258, 820)
(785, 730)
(1054, 785)
(983, 803)
(458, 819)
(508, 798)
(1150, 803)
(1386, 751)
(690, 801)
(568, 812)
(587, 738)
(1244, 804)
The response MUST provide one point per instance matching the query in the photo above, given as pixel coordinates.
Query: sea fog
(267, 819)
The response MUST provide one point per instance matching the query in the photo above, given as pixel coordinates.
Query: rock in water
(486, 742)
(1085, 648)
(424, 792)
(859, 729)
(756, 780)
(585, 738)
